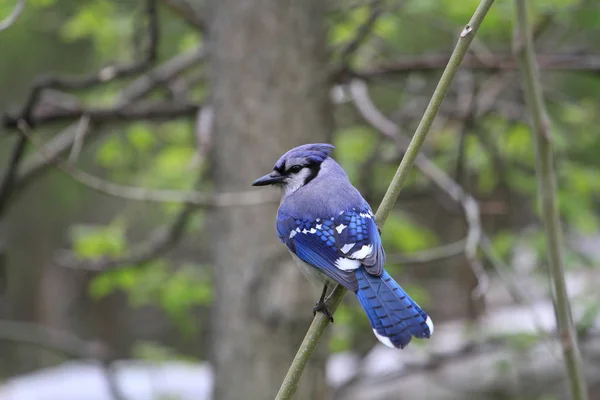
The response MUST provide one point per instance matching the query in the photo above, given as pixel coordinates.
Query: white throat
(295, 182)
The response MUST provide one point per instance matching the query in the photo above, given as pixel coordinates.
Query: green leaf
(504, 242)
(353, 146)
(174, 159)
(344, 31)
(141, 137)
(189, 41)
(113, 153)
(108, 282)
(404, 235)
(175, 290)
(157, 352)
(91, 241)
(517, 143)
(91, 22)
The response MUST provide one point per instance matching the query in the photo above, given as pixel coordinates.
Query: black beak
(269, 179)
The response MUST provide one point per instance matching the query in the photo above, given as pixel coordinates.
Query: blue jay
(330, 230)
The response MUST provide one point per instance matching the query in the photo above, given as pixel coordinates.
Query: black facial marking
(314, 171)
(294, 169)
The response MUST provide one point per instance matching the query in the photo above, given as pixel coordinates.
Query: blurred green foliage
(498, 155)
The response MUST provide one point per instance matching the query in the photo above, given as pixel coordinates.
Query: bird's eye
(295, 169)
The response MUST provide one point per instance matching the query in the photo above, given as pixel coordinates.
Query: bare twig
(63, 343)
(51, 339)
(106, 74)
(547, 191)
(362, 33)
(161, 75)
(474, 239)
(65, 140)
(429, 255)
(504, 273)
(153, 195)
(389, 129)
(164, 238)
(83, 127)
(160, 242)
(187, 10)
(7, 183)
(309, 344)
(14, 15)
(150, 111)
(490, 62)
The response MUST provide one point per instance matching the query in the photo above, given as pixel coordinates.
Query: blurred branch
(106, 74)
(504, 273)
(14, 15)
(389, 129)
(547, 192)
(80, 133)
(7, 183)
(51, 339)
(188, 11)
(309, 344)
(64, 343)
(429, 255)
(161, 241)
(64, 141)
(154, 111)
(467, 107)
(362, 33)
(152, 195)
(492, 62)
(165, 238)
(161, 75)
(478, 361)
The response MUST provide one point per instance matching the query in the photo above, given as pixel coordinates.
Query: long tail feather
(394, 316)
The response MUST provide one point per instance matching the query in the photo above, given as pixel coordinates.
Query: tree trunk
(270, 93)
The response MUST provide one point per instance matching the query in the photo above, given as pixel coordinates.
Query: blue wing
(336, 245)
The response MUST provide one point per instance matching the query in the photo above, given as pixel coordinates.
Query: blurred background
(136, 262)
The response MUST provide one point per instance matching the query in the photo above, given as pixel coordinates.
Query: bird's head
(297, 167)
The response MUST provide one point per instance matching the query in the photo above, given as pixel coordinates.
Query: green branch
(290, 383)
(546, 178)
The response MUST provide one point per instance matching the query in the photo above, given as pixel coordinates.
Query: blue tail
(394, 316)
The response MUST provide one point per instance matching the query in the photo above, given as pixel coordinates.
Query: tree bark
(270, 93)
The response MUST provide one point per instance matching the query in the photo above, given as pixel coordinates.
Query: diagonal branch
(470, 207)
(429, 255)
(309, 344)
(8, 181)
(106, 74)
(486, 62)
(547, 192)
(149, 111)
(14, 15)
(475, 238)
(188, 10)
(162, 74)
(159, 243)
(362, 33)
(61, 143)
(63, 343)
(247, 198)
(162, 239)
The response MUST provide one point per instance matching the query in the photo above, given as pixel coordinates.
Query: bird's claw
(322, 307)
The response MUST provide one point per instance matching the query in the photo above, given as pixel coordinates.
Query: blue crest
(312, 153)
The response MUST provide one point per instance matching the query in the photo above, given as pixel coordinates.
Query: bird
(330, 231)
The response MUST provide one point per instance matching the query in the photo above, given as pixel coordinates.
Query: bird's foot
(322, 307)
